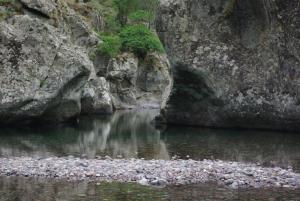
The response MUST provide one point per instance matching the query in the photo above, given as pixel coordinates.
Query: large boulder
(122, 74)
(41, 72)
(96, 98)
(139, 83)
(236, 62)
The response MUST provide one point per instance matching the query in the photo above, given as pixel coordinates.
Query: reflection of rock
(29, 189)
(130, 134)
(234, 145)
(126, 134)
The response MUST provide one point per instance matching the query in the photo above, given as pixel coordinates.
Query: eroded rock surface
(47, 73)
(139, 83)
(42, 73)
(96, 98)
(236, 62)
(48, 8)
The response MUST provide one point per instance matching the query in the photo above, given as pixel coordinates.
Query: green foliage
(127, 7)
(140, 40)
(111, 45)
(141, 16)
(108, 12)
(118, 35)
(104, 7)
(2, 2)
(112, 25)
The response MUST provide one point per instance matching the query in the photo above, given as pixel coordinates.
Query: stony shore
(151, 172)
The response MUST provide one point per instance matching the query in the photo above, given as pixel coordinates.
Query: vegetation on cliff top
(128, 27)
(140, 40)
(126, 24)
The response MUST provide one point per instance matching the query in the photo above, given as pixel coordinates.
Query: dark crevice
(34, 11)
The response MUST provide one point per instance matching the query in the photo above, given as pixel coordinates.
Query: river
(131, 134)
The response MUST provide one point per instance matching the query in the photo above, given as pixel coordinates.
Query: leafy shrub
(141, 16)
(126, 7)
(112, 25)
(140, 40)
(118, 35)
(111, 45)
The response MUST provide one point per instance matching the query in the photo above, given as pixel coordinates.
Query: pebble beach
(152, 172)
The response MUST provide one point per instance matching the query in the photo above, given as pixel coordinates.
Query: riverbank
(151, 172)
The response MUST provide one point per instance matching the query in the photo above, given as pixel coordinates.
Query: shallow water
(131, 135)
(33, 189)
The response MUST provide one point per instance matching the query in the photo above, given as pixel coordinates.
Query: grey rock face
(41, 72)
(96, 98)
(45, 7)
(122, 73)
(236, 63)
(137, 83)
(79, 31)
(46, 73)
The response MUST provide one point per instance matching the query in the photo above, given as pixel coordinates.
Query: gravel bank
(151, 172)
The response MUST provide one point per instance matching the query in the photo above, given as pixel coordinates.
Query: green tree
(125, 7)
(151, 7)
(141, 16)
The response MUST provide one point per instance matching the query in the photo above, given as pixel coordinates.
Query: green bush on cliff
(140, 40)
(141, 16)
(126, 7)
(111, 45)
(134, 36)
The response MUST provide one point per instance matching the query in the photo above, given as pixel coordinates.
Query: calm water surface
(131, 135)
(29, 189)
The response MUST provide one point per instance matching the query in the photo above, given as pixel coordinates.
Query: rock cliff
(236, 62)
(48, 75)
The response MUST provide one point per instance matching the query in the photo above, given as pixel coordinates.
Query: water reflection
(127, 134)
(34, 189)
(130, 134)
(29, 189)
(268, 148)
